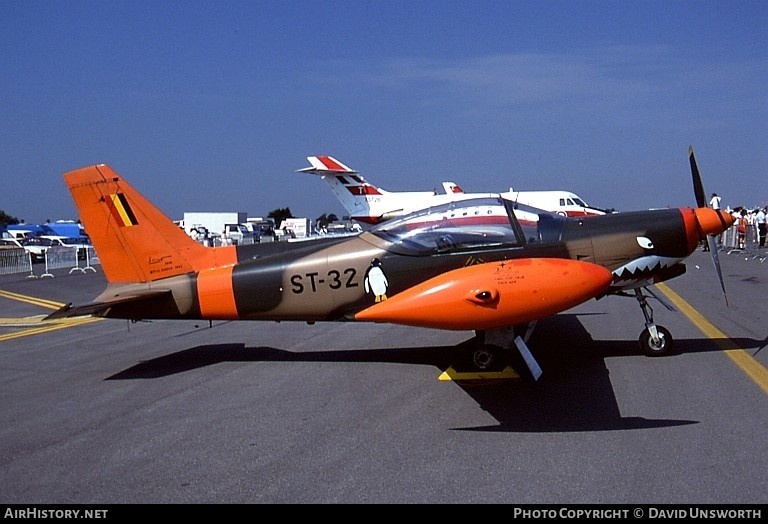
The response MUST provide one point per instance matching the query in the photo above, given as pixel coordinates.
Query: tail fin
(135, 241)
(366, 202)
(451, 188)
(349, 187)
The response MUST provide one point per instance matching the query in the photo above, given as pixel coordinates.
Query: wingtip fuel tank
(492, 295)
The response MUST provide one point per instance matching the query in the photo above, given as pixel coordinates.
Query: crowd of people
(750, 226)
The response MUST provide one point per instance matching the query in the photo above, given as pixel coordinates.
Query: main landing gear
(491, 347)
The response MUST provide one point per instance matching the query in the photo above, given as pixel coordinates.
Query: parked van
(262, 230)
(236, 234)
(20, 233)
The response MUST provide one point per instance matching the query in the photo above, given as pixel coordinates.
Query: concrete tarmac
(107, 411)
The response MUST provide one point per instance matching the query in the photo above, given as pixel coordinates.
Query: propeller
(701, 201)
(698, 187)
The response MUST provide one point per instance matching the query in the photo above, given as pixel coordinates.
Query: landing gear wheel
(484, 357)
(659, 349)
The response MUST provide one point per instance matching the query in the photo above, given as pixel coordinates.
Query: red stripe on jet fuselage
(365, 189)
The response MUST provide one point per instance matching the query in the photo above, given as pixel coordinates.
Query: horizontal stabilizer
(323, 165)
(101, 308)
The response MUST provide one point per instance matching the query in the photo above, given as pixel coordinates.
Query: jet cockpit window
(458, 225)
(580, 202)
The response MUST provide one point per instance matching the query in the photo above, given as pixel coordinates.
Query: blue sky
(213, 106)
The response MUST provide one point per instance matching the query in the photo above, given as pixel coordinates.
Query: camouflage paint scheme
(530, 263)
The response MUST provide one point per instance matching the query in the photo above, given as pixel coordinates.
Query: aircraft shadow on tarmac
(574, 394)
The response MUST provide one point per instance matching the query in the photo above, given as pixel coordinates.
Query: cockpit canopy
(469, 224)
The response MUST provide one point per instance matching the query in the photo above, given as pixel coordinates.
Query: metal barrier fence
(18, 260)
(90, 258)
(730, 239)
(729, 242)
(15, 260)
(60, 257)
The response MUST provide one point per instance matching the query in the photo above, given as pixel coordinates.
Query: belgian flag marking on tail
(121, 210)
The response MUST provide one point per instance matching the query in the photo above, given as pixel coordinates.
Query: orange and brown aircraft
(487, 265)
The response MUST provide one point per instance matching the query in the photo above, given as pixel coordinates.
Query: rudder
(135, 241)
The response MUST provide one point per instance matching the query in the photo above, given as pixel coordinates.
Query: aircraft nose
(713, 221)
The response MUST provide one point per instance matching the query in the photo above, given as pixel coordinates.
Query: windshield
(37, 241)
(579, 202)
(469, 224)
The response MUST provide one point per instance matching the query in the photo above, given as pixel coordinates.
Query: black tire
(479, 357)
(663, 348)
(485, 357)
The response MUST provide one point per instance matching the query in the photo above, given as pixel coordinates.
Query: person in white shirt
(714, 202)
(762, 225)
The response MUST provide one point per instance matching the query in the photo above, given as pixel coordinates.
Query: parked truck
(262, 229)
(67, 228)
(213, 222)
(295, 228)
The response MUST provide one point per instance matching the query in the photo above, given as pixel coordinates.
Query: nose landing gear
(655, 341)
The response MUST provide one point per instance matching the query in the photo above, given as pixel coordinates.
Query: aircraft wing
(103, 307)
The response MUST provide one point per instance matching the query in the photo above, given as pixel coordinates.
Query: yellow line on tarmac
(38, 324)
(50, 304)
(50, 326)
(754, 370)
(34, 320)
